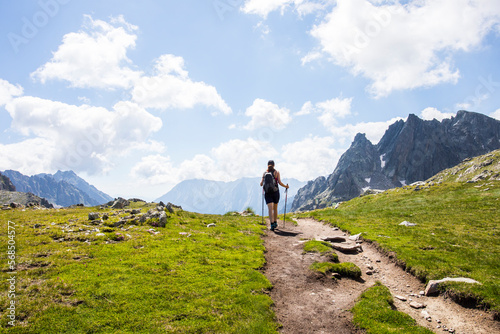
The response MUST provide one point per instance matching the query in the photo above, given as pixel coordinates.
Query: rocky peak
(410, 151)
(6, 183)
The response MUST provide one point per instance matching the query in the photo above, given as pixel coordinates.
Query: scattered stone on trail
(426, 315)
(335, 239)
(94, 215)
(402, 298)
(344, 248)
(337, 205)
(417, 305)
(406, 223)
(432, 286)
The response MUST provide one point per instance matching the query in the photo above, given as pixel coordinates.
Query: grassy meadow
(457, 233)
(76, 277)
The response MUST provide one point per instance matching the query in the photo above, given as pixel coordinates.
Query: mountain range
(410, 151)
(216, 197)
(61, 189)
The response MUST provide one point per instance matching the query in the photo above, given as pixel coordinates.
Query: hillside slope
(454, 230)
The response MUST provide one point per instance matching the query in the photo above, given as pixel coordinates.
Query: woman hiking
(270, 181)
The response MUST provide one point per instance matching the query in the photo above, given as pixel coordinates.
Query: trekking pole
(262, 207)
(284, 215)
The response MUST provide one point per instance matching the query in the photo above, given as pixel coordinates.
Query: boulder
(94, 215)
(335, 239)
(433, 285)
(170, 207)
(120, 203)
(163, 219)
(347, 248)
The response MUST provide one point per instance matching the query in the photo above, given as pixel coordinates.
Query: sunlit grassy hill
(457, 231)
(198, 274)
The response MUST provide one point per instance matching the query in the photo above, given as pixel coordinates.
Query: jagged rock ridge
(6, 184)
(410, 151)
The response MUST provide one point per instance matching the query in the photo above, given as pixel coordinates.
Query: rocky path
(311, 303)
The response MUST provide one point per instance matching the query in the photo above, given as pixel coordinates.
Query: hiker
(270, 181)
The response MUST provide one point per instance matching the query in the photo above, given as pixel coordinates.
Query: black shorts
(272, 197)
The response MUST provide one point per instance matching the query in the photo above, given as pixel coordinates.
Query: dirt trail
(310, 303)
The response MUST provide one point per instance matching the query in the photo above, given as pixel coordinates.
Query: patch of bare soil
(306, 302)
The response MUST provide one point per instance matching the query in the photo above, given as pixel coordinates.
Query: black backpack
(270, 184)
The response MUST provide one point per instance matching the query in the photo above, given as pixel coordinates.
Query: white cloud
(265, 114)
(496, 114)
(171, 88)
(8, 91)
(264, 7)
(228, 161)
(302, 7)
(330, 110)
(81, 138)
(403, 46)
(28, 156)
(95, 58)
(431, 113)
(308, 158)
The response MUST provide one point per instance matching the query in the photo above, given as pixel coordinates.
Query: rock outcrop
(15, 199)
(6, 184)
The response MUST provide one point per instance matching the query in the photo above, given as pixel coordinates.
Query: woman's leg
(270, 207)
(275, 212)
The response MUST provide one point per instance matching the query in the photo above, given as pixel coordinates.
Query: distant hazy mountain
(96, 195)
(411, 150)
(62, 188)
(216, 197)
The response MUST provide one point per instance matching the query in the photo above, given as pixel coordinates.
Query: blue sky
(138, 96)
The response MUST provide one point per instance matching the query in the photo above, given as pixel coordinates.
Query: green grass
(186, 279)
(457, 233)
(322, 247)
(345, 269)
(375, 313)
